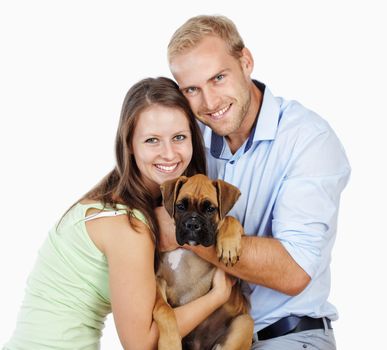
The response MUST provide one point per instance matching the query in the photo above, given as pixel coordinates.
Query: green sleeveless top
(67, 296)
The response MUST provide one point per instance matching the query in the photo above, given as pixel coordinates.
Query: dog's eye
(180, 206)
(210, 209)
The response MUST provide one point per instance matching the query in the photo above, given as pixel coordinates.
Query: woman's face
(162, 145)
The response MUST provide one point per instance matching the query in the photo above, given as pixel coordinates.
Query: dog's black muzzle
(194, 229)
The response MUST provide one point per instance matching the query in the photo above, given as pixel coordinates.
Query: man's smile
(218, 114)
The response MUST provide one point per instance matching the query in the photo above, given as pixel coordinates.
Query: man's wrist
(206, 253)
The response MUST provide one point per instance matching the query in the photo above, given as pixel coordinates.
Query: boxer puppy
(198, 206)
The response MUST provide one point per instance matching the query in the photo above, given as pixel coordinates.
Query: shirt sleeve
(305, 212)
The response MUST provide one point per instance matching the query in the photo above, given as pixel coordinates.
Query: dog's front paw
(164, 316)
(228, 250)
(228, 243)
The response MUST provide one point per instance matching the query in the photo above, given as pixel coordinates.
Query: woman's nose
(168, 151)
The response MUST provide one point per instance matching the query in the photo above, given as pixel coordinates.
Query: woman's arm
(189, 316)
(132, 281)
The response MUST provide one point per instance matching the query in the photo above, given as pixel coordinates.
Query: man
(290, 168)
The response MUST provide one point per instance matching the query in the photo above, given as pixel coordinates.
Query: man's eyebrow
(219, 73)
(209, 79)
(184, 88)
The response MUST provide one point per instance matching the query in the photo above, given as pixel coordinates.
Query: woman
(100, 257)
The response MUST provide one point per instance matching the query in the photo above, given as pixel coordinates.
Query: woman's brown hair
(124, 185)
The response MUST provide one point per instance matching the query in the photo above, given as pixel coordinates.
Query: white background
(65, 69)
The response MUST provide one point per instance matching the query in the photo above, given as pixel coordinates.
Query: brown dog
(199, 206)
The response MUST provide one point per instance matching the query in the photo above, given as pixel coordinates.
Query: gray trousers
(316, 339)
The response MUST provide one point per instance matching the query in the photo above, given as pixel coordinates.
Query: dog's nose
(193, 224)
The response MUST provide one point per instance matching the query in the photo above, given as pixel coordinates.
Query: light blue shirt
(291, 172)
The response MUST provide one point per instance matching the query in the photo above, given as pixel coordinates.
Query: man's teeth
(166, 167)
(221, 112)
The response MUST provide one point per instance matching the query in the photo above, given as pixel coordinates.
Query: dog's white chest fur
(174, 258)
(188, 275)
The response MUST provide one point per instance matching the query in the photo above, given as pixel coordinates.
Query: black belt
(292, 324)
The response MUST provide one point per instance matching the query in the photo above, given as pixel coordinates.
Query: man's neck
(236, 139)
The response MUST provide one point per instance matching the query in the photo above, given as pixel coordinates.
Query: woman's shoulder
(118, 208)
(137, 214)
(113, 224)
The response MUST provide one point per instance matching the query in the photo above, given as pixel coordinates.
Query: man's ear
(247, 62)
(170, 190)
(227, 196)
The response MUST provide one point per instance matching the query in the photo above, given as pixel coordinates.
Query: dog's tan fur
(175, 287)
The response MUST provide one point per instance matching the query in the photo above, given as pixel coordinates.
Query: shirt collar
(264, 128)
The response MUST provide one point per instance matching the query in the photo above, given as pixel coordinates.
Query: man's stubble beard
(234, 123)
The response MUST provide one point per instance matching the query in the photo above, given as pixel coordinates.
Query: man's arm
(304, 219)
(263, 261)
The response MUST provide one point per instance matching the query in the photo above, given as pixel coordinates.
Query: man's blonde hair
(196, 28)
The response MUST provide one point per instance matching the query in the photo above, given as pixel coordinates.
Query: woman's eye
(180, 137)
(151, 140)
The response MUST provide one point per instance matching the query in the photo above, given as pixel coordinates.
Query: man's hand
(167, 230)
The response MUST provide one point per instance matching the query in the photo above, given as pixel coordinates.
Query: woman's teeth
(166, 168)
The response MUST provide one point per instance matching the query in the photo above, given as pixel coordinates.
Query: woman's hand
(167, 230)
(222, 284)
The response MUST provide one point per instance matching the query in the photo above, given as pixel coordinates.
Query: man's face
(216, 84)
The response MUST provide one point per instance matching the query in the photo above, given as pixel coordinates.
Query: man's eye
(151, 140)
(219, 77)
(191, 91)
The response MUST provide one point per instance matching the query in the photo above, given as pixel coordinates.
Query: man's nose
(210, 99)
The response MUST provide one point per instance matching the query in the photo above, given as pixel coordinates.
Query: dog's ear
(170, 190)
(227, 196)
